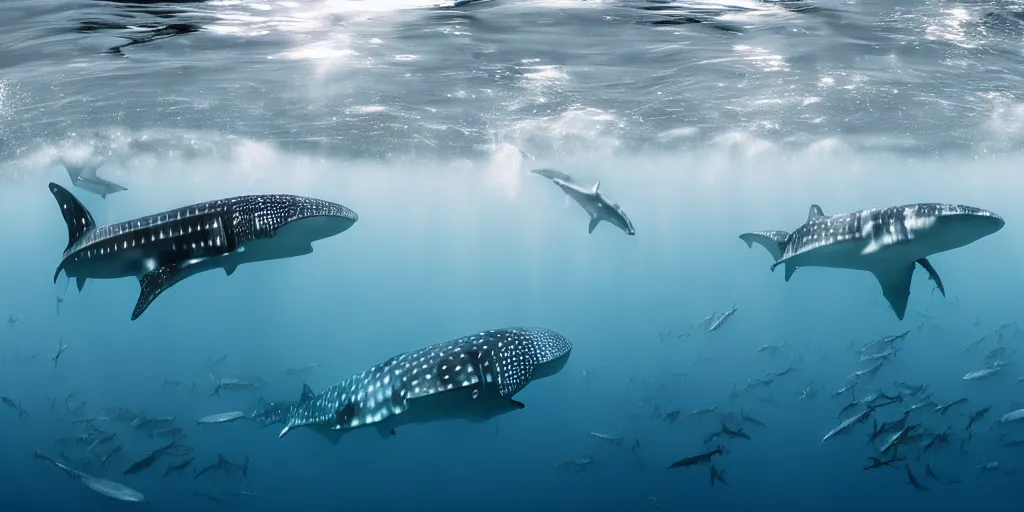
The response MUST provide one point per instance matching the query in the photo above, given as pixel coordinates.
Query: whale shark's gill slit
(514, 363)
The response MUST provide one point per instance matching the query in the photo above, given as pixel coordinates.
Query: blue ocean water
(703, 120)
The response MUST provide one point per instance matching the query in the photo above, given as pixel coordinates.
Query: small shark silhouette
(591, 200)
(84, 177)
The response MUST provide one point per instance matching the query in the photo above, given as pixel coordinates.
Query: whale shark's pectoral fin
(773, 241)
(332, 436)
(790, 268)
(80, 283)
(593, 224)
(932, 274)
(385, 432)
(153, 284)
(895, 283)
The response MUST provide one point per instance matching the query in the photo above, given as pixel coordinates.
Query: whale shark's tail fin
(773, 241)
(77, 218)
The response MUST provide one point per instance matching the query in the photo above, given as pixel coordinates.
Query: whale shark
(84, 176)
(473, 378)
(591, 199)
(888, 242)
(165, 248)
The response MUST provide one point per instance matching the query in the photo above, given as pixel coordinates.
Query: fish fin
(814, 212)
(76, 216)
(80, 283)
(567, 201)
(597, 188)
(307, 393)
(84, 172)
(552, 174)
(593, 224)
(385, 432)
(790, 268)
(230, 269)
(773, 241)
(927, 266)
(332, 436)
(153, 284)
(895, 284)
(518, 405)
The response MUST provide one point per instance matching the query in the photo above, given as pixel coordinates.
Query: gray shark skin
(85, 177)
(888, 242)
(165, 248)
(597, 206)
(473, 378)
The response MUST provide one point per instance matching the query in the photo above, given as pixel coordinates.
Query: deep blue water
(414, 118)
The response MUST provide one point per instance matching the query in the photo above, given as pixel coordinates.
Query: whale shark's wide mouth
(314, 228)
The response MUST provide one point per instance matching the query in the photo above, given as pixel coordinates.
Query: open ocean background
(704, 120)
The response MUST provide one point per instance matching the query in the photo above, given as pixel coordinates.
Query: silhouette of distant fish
(84, 177)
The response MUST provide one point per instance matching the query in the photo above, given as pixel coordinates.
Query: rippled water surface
(385, 78)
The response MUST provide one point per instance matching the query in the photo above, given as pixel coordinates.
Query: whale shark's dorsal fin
(78, 219)
(814, 213)
(307, 393)
(895, 283)
(596, 190)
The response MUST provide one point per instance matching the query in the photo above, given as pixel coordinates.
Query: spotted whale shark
(597, 206)
(473, 378)
(887, 242)
(165, 248)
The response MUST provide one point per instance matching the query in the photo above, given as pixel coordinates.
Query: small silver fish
(222, 417)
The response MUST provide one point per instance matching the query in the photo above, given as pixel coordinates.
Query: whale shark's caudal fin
(814, 213)
(77, 218)
(895, 283)
(773, 241)
(932, 274)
